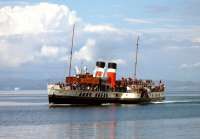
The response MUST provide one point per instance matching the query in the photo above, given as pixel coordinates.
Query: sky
(35, 37)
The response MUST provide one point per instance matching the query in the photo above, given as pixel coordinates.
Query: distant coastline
(40, 84)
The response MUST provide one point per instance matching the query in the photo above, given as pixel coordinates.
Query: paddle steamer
(102, 87)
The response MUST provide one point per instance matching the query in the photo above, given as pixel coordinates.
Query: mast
(136, 57)
(71, 52)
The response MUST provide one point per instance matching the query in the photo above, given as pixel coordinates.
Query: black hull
(97, 101)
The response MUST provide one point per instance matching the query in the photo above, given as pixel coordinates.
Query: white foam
(175, 101)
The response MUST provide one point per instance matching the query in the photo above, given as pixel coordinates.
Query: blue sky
(35, 37)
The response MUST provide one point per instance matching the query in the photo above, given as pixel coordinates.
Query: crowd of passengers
(121, 85)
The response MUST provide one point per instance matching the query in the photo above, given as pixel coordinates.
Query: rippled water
(26, 114)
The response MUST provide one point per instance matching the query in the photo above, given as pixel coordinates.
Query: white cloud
(87, 52)
(173, 48)
(73, 18)
(190, 66)
(196, 40)
(137, 21)
(178, 48)
(41, 33)
(10, 56)
(49, 51)
(33, 19)
(35, 32)
(92, 51)
(100, 28)
(24, 28)
(195, 46)
(118, 61)
(183, 66)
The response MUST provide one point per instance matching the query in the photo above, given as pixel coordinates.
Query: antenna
(136, 53)
(81, 67)
(71, 52)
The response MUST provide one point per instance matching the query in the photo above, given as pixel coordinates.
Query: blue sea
(26, 115)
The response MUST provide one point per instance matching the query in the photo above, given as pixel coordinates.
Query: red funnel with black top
(111, 74)
(99, 69)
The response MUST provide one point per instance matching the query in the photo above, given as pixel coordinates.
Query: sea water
(27, 115)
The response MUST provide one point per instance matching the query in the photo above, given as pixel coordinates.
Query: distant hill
(25, 84)
(41, 84)
(183, 85)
